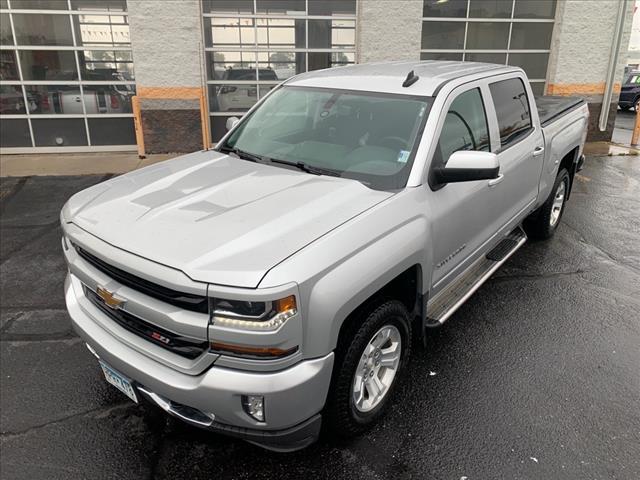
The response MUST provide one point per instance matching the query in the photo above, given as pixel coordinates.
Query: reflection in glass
(227, 6)
(445, 35)
(279, 7)
(100, 5)
(531, 35)
(500, 58)
(281, 32)
(112, 131)
(487, 35)
(106, 65)
(14, 133)
(102, 30)
(332, 7)
(55, 99)
(48, 65)
(332, 33)
(438, 8)
(218, 127)
(59, 132)
(537, 9)
(231, 32)
(320, 60)
(39, 4)
(490, 9)
(537, 88)
(282, 64)
(232, 97)
(12, 100)
(8, 65)
(456, 57)
(40, 29)
(534, 64)
(6, 38)
(108, 98)
(224, 65)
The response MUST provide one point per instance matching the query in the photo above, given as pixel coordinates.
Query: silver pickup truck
(274, 283)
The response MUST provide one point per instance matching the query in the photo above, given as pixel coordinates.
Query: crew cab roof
(387, 77)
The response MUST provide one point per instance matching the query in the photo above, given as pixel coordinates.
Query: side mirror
(231, 122)
(468, 166)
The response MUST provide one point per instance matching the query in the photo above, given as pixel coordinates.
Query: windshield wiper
(305, 167)
(242, 154)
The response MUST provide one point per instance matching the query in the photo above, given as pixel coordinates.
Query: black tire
(341, 417)
(539, 225)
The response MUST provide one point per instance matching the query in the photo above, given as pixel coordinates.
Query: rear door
(519, 145)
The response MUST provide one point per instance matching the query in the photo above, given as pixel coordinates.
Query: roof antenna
(410, 80)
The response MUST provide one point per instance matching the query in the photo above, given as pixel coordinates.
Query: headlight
(260, 316)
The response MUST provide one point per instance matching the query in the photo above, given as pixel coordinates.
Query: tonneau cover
(553, 106)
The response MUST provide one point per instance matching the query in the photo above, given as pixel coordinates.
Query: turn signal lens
(285, 304)
(247, 350)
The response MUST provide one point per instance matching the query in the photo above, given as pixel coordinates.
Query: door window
(465, 126)
(512, 108)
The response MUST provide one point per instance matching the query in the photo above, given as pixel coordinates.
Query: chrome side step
(446, 302)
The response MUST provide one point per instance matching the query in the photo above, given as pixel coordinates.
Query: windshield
(369, 137)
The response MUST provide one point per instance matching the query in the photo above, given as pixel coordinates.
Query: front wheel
(369, 359)
(543, 222)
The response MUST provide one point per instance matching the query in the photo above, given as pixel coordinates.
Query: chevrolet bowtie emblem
(109, 298)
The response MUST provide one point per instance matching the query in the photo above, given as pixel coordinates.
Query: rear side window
(512, 108)
(465, 126)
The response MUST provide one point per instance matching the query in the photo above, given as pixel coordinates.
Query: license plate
(119, 381)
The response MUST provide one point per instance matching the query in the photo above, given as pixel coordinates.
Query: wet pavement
(537, 376)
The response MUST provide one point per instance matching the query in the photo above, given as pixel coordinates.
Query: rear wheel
(543, 222)
(369, 360)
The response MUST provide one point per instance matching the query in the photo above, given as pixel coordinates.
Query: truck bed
(551, 107)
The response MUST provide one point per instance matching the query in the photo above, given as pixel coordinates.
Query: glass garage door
(512, 32)
(252, 45)
(66, 76)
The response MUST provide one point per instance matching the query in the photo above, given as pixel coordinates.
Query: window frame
(482, 86)
(534, 122)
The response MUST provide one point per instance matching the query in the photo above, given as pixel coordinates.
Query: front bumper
(293, 397)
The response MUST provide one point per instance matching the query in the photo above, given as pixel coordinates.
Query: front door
(462, 218)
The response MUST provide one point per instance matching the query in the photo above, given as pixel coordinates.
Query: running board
(445, 303)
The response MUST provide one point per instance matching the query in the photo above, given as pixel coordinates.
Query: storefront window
(492, 31)
(252, 45)
(68, 73)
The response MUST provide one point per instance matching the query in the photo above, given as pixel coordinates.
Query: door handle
(538, 151)
(495, 181)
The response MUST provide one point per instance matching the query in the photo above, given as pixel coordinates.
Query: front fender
(342, 269)
(349, 284)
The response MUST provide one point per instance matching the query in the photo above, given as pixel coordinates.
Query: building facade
(84, 75)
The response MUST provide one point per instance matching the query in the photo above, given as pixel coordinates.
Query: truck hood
(217, 218)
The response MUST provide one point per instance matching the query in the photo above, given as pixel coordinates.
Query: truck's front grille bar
(187, 301)
(186, 347)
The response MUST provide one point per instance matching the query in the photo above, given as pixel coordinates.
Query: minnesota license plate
(119, 381)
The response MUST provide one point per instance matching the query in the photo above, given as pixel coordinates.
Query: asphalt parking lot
(537, 376)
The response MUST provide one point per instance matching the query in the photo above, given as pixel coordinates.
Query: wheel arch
(570, 163)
